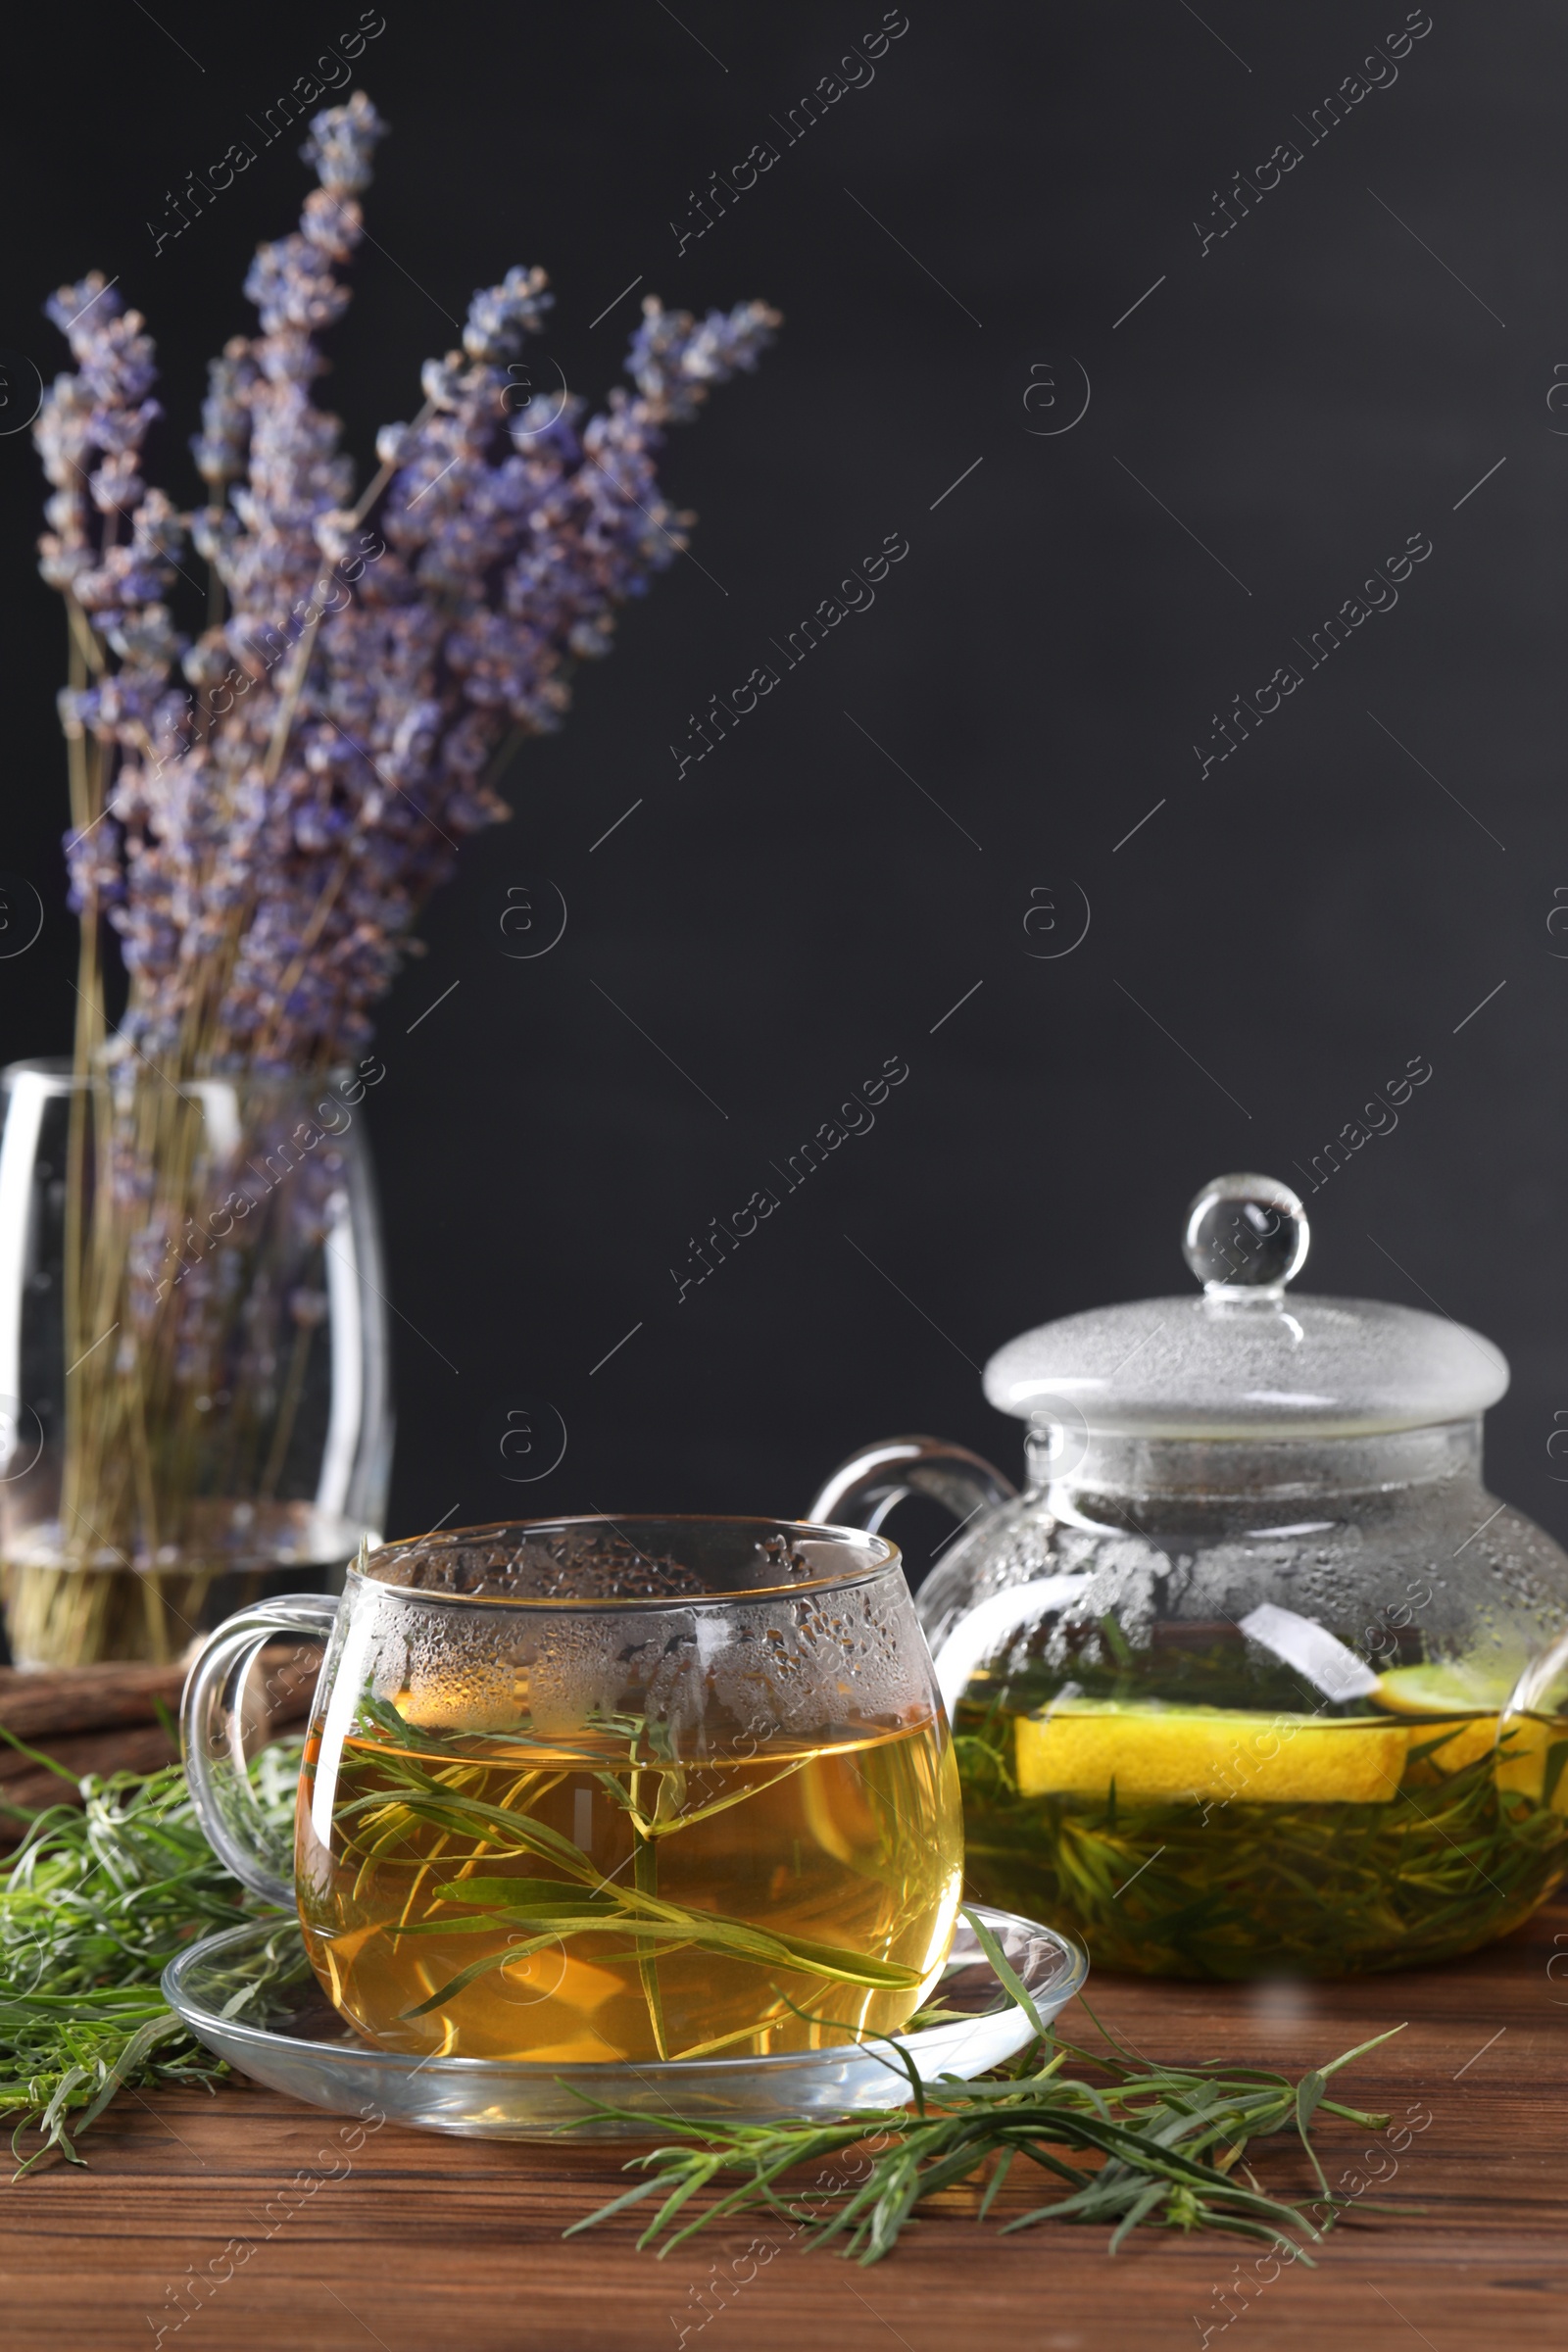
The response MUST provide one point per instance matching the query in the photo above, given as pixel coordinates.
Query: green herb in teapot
(1188, 1835)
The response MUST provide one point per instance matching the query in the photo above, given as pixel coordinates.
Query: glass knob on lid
(1246, 1237)
(1245, 1359)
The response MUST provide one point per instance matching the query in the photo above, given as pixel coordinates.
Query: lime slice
(1446, 1687)
(1152, 1752)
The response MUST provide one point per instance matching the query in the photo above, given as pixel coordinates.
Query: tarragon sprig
(1164, 2145)
(97, 1900)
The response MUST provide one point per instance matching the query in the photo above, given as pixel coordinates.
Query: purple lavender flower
(113, 543)
(273, 832)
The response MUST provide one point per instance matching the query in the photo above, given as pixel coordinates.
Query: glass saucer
(250, 1995)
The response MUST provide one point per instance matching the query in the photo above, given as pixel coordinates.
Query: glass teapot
(1254, 1678)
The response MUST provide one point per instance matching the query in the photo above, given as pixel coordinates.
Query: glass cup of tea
(650, 1787)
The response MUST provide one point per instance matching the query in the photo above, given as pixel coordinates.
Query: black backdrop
(888, 858)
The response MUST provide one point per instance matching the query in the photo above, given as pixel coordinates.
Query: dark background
(1270, 947)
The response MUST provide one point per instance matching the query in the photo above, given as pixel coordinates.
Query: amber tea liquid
(589, 1900)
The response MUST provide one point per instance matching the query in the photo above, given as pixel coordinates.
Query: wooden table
(422, 2242)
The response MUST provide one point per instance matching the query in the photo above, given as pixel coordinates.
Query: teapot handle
(862, 1490)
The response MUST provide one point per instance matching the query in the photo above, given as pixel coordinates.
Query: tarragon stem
(645, 1868)
(1163, 2144)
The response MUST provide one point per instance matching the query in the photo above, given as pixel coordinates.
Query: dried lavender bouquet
(259, 814)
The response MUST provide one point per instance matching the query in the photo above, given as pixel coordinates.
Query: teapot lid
(1244, 1360)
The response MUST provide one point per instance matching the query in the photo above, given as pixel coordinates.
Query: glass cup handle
(862, 1490)
(211, 1733)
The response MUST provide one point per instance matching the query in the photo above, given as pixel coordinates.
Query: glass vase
(195, 1405)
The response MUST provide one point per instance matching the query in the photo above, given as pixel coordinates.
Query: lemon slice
(1467, 1737)
(462, 1697)
(1522, 1762)
(1469, 1696)
(1078, 1749)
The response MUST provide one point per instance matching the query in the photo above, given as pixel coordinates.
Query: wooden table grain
(243, 2221)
